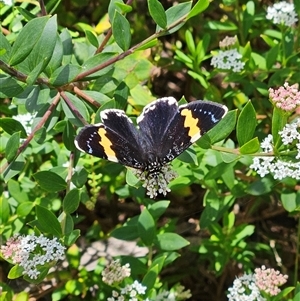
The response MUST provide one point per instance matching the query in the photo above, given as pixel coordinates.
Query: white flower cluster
(245, 289)
(156, 183)
(228, 60)
(130, 292)
(278, 168)
(282, 13)
(115, 273)
(32, 251)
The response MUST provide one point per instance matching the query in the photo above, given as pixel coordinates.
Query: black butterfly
(164, 131)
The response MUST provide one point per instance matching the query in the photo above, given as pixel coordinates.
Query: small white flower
(282, 13)
(227, 60)
(244, 289)
(277, 167)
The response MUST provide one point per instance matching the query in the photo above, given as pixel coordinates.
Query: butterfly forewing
(116, 139)
(200, 117)
(172, 129)
(155, 120)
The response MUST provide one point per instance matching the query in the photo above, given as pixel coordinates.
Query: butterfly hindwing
(116, 139)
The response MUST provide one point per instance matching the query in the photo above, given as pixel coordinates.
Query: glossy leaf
(170, 242)
(175, 14)
(11, 126)
(91, 37)
(64, 74)
(279, 120)
(121, 31)
(157, 13)
(246, 124)
(10, 87)
(146, 227)
(50, 181)
(250, 147)
(26, 40)
(12, 146)
(47, 221)
(199, 7)
(71, 201)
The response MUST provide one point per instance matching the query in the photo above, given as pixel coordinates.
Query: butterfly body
(164, 131)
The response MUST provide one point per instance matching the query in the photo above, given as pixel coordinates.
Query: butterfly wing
(116, 139)
(172, 129)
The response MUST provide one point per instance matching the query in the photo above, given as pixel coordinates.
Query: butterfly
(164, 131)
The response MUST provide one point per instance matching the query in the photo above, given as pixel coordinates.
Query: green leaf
(15, 272)
(290, 201)
(56, 58)
(11, 126)
(40, 135)
(71, 201)
(25, 13)
(151, 277)
(218, 170)
(121, 95)
(47, 221)
(42, 52)
(272, 56)
(68, 136)
(121, 31)
(26, 40)
(170, 242)
(5, 211)
(260, 187)
(198, 8)
(131, 178)
(95, 60)
(14, 168)
(71, 238)
(10, 87)
(158, 209)
(92, 38)
(50, 181)
(246, 124)
(64, 75)
(157, 13)
(5, 49)
(12, 146)
(146, 227)
(279, 120)
(25, 208)
(250, 147)
(67, 223)
(174, 14)
(127, 233)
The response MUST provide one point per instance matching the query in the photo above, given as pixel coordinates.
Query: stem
(38, 126)
(73, 108)
(86, 97)
(129, 51)
(43, 8)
